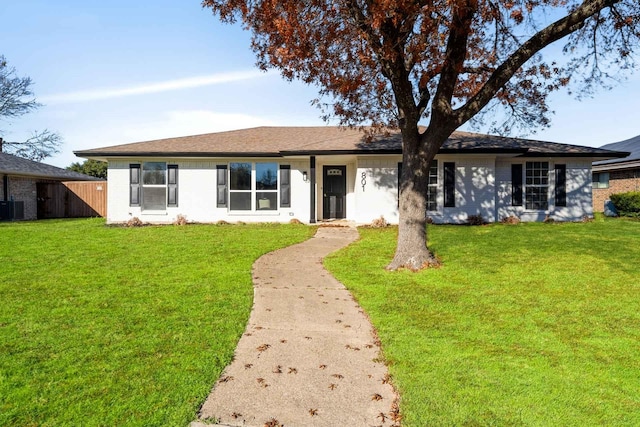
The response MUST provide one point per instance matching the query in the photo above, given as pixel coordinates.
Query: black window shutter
(449, 184)
(222, 185)
(399, 180)
(172, 185)
(134, 185)
(561, 185)
(285, 186)
(516, 185)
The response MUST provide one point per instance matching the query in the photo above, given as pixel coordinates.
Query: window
(600, 180)
(253, 191)
(151, 187)
(432, 188)
(154, 186)
(537, 185)
(449, 185)
(560, 187)
(266, 186)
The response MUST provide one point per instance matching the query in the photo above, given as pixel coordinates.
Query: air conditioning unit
(11, 210)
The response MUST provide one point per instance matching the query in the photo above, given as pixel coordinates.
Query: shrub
(134, 222)
(548, 219)
(379, 223)
(475, 220)
(511, 219)
(627, 204)
(180, 220)
(295, 221)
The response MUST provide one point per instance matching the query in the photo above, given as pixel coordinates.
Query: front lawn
(531, 324)
(109, 326)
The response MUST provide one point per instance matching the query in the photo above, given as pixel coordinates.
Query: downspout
(312, 195)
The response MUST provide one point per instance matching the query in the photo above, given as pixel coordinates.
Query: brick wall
(24, 189)
(619, 182)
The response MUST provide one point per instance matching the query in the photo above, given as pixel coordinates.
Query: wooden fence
(72, 199)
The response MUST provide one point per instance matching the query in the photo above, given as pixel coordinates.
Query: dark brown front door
(334, 186)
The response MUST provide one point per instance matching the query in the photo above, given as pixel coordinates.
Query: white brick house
(275, 174)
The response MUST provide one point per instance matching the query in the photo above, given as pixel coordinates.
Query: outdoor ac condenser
(11, 210)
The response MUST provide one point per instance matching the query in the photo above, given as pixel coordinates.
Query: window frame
(137, 185)
(272, 204)
(536, 186)
(601, 184)
(431, 198)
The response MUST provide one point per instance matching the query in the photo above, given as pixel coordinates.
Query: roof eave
(616, 166)
(105, 155)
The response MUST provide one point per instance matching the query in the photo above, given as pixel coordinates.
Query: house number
(363, 181)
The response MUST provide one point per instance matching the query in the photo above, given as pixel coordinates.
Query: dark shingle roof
(632, 146)
(282, 141)
(14, 165)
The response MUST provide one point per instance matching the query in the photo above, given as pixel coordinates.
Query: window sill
(156, 213)
(256, 213)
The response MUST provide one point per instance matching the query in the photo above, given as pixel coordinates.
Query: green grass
(106, 326)
(532, 324)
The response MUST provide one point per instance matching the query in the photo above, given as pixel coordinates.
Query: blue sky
(113, 72)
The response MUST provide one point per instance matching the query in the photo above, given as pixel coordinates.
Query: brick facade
(620, 181)
(24, 189)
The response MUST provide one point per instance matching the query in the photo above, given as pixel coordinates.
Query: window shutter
(449, 184)
(399, 180)
(285, 186)
(561, 185)
(172, 185)
(516, 185)
(134, 185)
(222, 185)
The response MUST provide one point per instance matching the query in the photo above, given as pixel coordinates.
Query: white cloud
(191, 122)
(143, 89)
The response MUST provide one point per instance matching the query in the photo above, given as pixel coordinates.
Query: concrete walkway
(309, 356)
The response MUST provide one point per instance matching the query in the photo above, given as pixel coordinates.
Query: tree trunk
(411, 250)
(418, 150)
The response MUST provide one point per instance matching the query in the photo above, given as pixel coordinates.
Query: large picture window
(537, 185)
(253, 186)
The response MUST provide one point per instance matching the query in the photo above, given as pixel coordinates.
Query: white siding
(376, 188)
(482, 187)
(474, 190)
(197, 189)
(578, 187)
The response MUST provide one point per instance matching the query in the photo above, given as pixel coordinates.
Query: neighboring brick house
(616, 175)
(20, 182)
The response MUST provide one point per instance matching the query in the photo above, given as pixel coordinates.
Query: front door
(334, 185)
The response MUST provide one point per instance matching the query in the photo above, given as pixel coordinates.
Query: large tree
(17, 99)
(90, 167)
(395, 63)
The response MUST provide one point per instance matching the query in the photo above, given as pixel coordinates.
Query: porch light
(304, 176)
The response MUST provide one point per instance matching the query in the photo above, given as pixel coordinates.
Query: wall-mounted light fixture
(305, 177)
